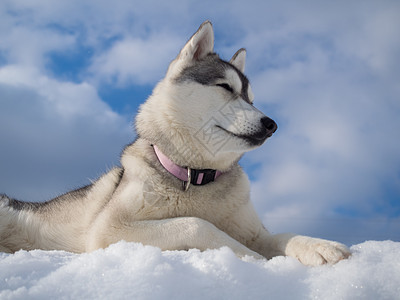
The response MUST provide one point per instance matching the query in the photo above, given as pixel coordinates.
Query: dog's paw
(314, 252)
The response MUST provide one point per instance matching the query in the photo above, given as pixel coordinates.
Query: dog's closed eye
(225, 86)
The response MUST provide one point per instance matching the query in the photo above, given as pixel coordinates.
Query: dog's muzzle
(267, 130)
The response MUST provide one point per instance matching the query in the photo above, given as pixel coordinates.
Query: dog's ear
(200, 44)
(239, 59)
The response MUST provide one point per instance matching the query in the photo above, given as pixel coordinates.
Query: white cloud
(126, 43)
(67, 99)
(28, 44)
(57, 134)
(135, 60)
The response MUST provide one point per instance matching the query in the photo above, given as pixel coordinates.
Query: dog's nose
(269, 125)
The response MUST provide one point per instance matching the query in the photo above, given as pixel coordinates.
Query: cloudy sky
(73, 73)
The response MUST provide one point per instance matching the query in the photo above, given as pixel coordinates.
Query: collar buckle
(186, 184)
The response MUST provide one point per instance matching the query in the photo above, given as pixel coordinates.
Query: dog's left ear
(200, 44)
(239, 59)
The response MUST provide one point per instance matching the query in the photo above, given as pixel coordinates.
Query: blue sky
(73, 73)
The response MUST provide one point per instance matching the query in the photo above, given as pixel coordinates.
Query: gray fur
(208, 70)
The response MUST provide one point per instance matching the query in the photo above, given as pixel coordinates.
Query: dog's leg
(309, 251)
(314, 251)
(4, 249)
(169, 234)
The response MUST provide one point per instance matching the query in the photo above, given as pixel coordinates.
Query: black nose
(269, 125)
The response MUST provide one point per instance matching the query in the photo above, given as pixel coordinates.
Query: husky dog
(179, 185)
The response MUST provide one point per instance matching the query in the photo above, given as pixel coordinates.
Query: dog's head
(204, 106)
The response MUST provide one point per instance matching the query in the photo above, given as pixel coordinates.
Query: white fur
(147, 204)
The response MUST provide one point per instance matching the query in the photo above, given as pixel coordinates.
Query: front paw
(313, 252)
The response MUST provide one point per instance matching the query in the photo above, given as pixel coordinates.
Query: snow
(133, 271)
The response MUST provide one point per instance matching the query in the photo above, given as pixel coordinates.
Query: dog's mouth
(255, 139)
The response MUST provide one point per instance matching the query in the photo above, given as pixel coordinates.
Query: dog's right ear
(239, 59)
(199, 45)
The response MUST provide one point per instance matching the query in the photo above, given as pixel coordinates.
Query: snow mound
(133, 271)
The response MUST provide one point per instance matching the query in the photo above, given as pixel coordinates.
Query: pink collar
(187, 175)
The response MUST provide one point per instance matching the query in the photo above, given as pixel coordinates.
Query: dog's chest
(202, 202)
